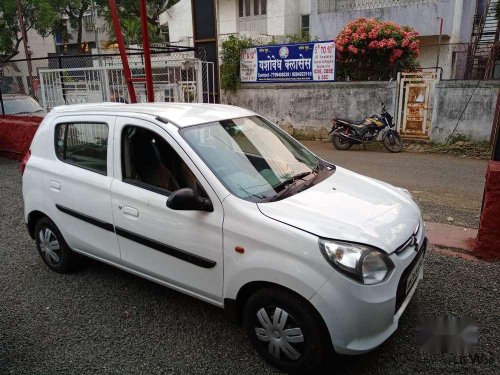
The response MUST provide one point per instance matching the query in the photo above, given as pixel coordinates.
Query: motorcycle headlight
(362, 263)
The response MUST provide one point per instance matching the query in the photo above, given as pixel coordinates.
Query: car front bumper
(361, 317)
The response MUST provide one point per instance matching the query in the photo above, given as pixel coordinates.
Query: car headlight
(360, 262)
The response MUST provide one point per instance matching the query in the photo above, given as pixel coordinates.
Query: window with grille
(304, 25)
(252, 16)
(88, 22)
(249, 8)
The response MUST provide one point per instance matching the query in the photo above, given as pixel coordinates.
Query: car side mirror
(186, 199)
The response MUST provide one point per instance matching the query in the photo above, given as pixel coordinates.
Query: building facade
(324, 19)
(258, 19)
(179, 21)
(262, 17)
(95, 36)
(38, 46)
(328, 17)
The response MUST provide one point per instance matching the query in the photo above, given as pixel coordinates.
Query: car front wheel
(286, 330)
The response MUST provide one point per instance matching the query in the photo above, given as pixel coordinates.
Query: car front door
(77, 180)
(180, 248)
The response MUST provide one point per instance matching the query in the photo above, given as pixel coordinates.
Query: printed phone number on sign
(284, 74)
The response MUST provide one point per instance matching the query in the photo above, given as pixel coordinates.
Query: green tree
(45, 16)
(72, 11)
(130, 22)
(50, 16)
(38, 15)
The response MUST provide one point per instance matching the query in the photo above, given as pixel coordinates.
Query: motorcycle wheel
(340, 144)
(393, 142)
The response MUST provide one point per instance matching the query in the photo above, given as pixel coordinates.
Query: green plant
(302, 135)
(300, 38)
(458, 137)
(230, 58)
(67, 78)
(370, 49)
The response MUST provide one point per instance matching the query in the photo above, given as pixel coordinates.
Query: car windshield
(250, 156)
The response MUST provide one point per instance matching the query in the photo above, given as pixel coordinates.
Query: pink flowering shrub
(369, 49)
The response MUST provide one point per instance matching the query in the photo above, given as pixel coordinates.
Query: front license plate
(414, 273)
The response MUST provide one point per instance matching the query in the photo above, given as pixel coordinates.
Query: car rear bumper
(361, 317)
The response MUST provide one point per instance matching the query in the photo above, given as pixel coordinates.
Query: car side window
(84, 145)
(150, 162)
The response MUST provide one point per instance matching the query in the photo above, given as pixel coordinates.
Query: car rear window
(84, 145)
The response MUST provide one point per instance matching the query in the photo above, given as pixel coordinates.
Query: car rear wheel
(52, 247)
(286, 330)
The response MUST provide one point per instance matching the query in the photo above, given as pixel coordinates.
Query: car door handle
(54, 185)
(130, 211)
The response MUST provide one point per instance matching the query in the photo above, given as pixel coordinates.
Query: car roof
(179, 114)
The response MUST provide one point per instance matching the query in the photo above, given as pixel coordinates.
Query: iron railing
(179, 74)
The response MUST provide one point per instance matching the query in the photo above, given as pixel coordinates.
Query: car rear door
(77, 183)
(180, 248)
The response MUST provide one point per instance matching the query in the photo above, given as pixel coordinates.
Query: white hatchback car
(218, 203)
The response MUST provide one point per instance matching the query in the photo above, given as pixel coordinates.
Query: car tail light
(22, 167)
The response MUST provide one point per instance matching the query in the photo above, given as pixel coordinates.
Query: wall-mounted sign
(314, 61)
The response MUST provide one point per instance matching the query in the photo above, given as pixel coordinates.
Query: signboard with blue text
(299, 62)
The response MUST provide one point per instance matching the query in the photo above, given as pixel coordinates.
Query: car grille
(411, 241)
(401, 291)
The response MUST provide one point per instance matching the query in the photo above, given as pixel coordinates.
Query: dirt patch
(471, 150)
(463, 149)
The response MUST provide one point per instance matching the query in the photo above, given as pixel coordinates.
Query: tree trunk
(80, 27)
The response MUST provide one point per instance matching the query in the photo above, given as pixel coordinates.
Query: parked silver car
(17, 104)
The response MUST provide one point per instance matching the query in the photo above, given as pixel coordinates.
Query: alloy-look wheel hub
(49, 246)
(280, 331)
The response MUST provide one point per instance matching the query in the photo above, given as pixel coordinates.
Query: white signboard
(313, 62)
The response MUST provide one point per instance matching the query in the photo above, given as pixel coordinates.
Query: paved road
(445, 186)
(104, 321)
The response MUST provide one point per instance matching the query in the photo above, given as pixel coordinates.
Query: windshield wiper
(319, 167)
(287, 185)
(290, 183)
(252, 194)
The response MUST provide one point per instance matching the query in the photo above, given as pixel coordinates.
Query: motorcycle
(346, 133)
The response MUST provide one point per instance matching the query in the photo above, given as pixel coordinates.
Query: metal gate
(414, 99)
(188, 81)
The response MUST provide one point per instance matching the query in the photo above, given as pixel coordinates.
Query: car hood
(350, 207)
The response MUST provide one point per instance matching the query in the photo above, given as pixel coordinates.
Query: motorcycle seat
(352, 122)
